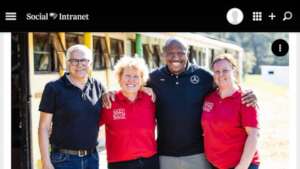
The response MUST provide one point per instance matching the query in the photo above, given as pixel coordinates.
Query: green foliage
(258, 45)
(249, 61)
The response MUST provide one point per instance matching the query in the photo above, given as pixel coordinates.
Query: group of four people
(203, 121)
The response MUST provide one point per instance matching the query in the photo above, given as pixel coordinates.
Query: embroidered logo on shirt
(208, 106)
(162, 80)
(194, 79)
(119, 114)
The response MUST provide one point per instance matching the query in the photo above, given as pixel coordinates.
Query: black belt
(80, 153)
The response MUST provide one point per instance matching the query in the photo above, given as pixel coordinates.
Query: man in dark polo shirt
(72, 105)
(180, 88)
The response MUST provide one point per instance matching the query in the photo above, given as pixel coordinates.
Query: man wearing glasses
(71, 105)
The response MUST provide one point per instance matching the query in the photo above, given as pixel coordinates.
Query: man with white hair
(71, 106)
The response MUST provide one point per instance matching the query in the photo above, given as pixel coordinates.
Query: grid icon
(257, 16)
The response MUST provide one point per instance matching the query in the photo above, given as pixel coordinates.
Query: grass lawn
(273, 104)
(256, 81)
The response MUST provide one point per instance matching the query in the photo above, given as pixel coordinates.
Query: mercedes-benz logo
(194, 79)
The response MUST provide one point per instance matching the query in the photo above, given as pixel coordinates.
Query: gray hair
(85, 51)
(175, 41)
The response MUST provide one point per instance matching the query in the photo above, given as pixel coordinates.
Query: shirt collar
(68, 83)
(233, 96)
(120, 96)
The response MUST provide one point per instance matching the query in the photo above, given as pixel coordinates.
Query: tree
(248, 62)
(258, 45)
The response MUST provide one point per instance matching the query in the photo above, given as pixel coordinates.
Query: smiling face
(78, 65)
(131, 80)
(176, 58)
(223, 73)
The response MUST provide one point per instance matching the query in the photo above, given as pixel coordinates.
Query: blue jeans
(66, 161)
(253, 166)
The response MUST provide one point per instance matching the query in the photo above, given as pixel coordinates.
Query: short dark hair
(175, 41)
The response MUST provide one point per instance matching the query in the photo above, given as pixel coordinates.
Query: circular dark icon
(280, 47)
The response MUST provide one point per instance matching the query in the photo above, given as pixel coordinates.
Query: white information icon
(234, 16)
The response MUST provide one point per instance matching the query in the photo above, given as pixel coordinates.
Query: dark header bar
(205, 20)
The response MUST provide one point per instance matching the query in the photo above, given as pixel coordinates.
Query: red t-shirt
(130, 128)
(224, 121)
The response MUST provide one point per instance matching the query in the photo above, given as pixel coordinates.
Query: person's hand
(107, 98)
(149, 92)
(249, 98)
(48, 165)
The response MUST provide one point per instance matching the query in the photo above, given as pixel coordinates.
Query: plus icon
(272, 16)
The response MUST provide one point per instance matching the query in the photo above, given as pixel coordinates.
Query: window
(147, 53)
(212, 56)
(130, 47)
(73, 39)
(201, 61)
(156, 56)
(98, 51)
(44, 58)
(192, 55)
(271, 72)
(117, 50)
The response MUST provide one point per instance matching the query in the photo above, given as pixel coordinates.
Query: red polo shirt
(224, 121)
(130, 128)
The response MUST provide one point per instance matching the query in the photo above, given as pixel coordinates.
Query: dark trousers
(141, 163)
(252, 166)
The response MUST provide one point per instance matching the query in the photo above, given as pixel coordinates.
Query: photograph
(150, 100)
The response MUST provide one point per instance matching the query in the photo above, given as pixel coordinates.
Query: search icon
(288, 15)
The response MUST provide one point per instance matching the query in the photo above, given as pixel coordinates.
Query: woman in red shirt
(230, 128)
(130, 122)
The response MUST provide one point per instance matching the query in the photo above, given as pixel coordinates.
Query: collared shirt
(75, 112)
(179, 107)
(130, 128)
(224, 121)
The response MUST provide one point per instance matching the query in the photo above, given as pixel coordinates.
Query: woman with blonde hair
(130, 122)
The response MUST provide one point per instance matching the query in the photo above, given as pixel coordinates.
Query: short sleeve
(249, 116)
(102, 119)
(47, 103)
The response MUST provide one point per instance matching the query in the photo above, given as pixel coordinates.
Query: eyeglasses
(75, 62)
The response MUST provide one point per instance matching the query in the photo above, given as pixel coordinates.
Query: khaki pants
(197, 161)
